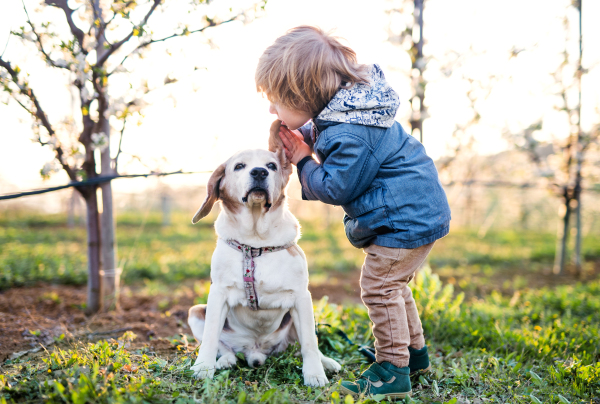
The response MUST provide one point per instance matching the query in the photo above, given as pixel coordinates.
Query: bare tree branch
(116, 159)
(41, 115)
(147, 43)
(40, 46)
(114, 47)
(77, 33)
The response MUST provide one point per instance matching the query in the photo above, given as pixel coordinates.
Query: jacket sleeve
(306, 133)
(347, 171)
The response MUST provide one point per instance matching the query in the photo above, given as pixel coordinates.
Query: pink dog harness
(249, 266)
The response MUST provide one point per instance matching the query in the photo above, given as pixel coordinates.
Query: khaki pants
(384, 290)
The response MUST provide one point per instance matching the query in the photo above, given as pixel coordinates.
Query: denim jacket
(381, 176)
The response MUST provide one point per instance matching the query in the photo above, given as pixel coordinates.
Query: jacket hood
(373, 104)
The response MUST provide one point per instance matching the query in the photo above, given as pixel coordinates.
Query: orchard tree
(406, 29)
(565, 167)
(95, 46)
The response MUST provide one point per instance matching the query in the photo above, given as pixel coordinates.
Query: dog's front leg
(304, 321)
(216, 313)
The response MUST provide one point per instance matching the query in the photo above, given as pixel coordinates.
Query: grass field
(43, 248)
(496, 333)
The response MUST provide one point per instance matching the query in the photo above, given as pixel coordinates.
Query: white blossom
(85, 94)
(99, 141)
(53, 142)
(49, 168)
(61, 63)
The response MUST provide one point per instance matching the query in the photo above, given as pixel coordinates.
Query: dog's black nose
(256, 363)
(259, 173)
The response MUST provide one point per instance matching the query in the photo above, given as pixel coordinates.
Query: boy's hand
(295, 148)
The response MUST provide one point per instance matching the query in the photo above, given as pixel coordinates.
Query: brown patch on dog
(276, 146)
(229, 202)
(212, 193)
(293, 250)
(279, 201)
(198, 311)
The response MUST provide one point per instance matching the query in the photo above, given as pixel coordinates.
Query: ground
(501, 327)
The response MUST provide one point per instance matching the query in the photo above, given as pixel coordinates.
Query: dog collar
(249, 266)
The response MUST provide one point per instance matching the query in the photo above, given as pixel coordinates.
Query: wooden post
(93, 233)
(562, 235)
(165, 202)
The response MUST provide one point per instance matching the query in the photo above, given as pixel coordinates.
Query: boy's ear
(212, 193)
(276, 146)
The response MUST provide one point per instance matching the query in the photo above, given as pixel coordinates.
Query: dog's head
(250, 177)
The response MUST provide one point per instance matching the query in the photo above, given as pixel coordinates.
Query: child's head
(304, 69)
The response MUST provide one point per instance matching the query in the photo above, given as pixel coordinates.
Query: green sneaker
(384, 379)
(419, 360)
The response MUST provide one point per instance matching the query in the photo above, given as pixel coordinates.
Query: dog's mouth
(258, 192)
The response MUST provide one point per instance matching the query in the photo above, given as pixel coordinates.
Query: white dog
(259, 274)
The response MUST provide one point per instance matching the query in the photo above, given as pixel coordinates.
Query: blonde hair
(304, 69)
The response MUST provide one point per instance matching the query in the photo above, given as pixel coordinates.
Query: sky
(213, 111)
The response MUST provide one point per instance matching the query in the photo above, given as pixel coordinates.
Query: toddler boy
(388, 187)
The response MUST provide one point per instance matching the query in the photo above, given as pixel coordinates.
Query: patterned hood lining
(373, 104)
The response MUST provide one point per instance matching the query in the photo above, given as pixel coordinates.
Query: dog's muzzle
(258, 184)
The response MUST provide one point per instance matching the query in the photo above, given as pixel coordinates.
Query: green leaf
(242, 397)
(378, 397)
(436, 389)
(534, 399)
(563, 400)
(535, 378)
(267, 395)
(349, 399)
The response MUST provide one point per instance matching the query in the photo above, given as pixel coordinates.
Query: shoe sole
(389, 395)
(420, 371)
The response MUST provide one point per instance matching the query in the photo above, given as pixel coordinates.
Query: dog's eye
(272, 166)
(239, 166)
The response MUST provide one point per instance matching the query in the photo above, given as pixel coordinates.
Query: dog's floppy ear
(276, 146)
(212, 193)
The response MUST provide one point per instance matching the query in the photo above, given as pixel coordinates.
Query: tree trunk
(562, 236)
(110, 278)
(93, 234)
(418, 99)
(579, 151)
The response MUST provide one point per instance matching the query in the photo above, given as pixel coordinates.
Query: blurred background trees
(501, 114)
(94, 47)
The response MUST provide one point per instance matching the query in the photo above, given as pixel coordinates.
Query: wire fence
(482, 205)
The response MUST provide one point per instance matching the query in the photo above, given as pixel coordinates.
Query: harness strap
(248, 266)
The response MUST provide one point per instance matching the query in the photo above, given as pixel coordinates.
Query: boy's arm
(347, 172)
(306, 132)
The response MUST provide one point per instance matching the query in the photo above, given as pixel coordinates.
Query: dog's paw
(330, 364)
(203, 372)
(315, 380)
(204, 369)
(226, 361)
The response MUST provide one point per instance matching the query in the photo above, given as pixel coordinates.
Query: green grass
(42, 248)
(539, 346)
(505, 342)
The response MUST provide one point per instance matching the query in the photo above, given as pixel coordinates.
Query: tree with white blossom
(94, 45)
